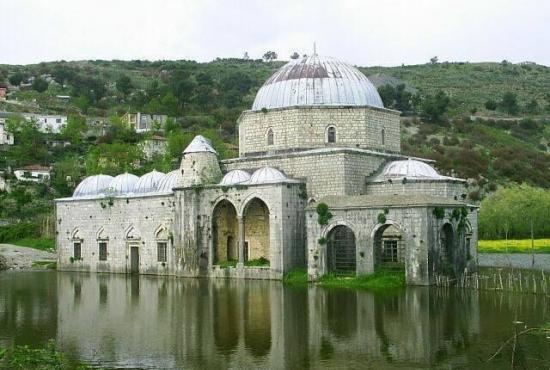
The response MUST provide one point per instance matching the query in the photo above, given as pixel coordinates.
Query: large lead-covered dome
(319, 81)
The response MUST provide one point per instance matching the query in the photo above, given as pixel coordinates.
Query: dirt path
(22, 258)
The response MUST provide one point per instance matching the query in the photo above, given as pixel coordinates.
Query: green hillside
(454, 113)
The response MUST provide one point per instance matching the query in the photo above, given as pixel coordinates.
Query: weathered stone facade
(414, 218)
(261, 220)
(301, 128)
(328, 171)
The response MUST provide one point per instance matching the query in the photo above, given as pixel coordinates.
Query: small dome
(266, 175)
(92, 185)
(149, 183)
(171, 180)
(199, 144)
(410, 169)
(122, 184)
(235, 177)
(319, 81)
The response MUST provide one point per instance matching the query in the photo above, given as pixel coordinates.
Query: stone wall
(121, 222)
(420, 232)
(299, 128)
(437, 188)
(326, 172)
(282, 244)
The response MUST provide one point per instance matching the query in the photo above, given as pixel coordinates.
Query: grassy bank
(382, 279)
(513, 246)
(297, 277)
(42, 244)
(44, 358)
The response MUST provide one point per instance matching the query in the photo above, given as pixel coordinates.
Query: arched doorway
(341, 258)
(447, 250)
(389, 247)
(225, 232)
(256, 230)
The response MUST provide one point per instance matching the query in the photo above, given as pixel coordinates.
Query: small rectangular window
(102, 251)
(77, 251)
(161, 251)
(390, 251)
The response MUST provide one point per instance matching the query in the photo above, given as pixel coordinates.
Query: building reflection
(172, 323)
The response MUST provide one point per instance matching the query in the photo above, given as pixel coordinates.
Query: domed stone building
(319, 183)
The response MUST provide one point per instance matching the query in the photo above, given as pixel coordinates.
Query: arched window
(270, 137)
(383, 136)
(331, 134)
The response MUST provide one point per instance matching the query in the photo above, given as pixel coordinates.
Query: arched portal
(389, 247)
(256, 230)
(225, 232)
(447, 250)
(341, 258)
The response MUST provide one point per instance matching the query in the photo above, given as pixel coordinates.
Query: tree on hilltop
(270, 56)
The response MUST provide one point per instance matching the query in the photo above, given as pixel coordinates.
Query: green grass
(296, 277)
(45, 358)
(42, 244)
(259, 262)
(382, 279)
(228, 263)
(52, 265)
(513, 246)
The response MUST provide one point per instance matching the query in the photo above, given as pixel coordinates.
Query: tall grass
(513, 246)
(381, 279)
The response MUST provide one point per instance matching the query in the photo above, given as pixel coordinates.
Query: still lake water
(119, 321)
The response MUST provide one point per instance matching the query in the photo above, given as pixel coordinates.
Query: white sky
(382, 32)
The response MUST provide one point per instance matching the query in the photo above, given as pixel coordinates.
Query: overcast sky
(362, 32)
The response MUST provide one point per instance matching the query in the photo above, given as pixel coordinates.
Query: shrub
(18, 231)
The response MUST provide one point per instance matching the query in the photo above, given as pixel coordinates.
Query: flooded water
(118, 321)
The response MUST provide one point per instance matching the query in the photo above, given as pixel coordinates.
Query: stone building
(319, 182)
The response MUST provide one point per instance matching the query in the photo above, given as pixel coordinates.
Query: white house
(142, 122)
(47, 122)
(33, 172)
(6, 138)
(156, 145)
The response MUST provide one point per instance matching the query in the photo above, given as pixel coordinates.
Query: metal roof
(317, 80)
(149, 183)
(122, 184)
(266, 175)
(412, 170)
(92, 185)
(235, 177)
(172, 180)
(199, 144)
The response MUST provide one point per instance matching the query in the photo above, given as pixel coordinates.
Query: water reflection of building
(174, 323)
(28, 307)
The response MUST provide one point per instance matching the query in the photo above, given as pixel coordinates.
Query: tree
(509, 103)
(75, 129)
(270, 56)
(491, 104)
(124, 84)
(29, 145)
(295, 55)
(518, 211)
(434, 60)
(16, 78)
(532, 106)
(435, 106)
(245, 56)
(39, 84)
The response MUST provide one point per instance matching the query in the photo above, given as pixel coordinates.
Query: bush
(491, 104)
(18, 231)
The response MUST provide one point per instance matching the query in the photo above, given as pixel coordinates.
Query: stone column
(241, 240)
